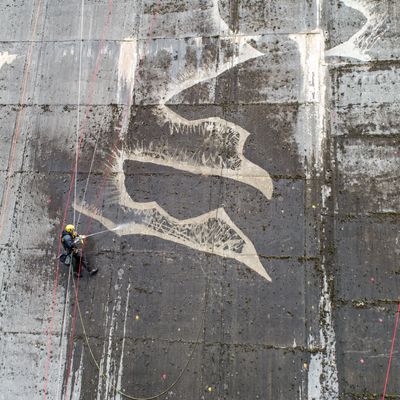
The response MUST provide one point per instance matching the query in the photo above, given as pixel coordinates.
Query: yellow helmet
(70, 228)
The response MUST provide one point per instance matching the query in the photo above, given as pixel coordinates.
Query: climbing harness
(66, 259)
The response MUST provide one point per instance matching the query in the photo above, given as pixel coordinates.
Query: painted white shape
(6, 58)
(130, 54)
(127, 64)
(186, 75)
(190, 77)
(211, 130)
(213, 232)
(358, 45)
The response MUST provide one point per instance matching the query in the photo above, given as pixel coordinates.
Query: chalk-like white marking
(6, 58)
(358, 45)
(127, 64)
(213, 232)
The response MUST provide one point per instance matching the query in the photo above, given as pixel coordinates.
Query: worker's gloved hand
(79, 240)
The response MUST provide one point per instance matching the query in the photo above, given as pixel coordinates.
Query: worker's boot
(93, 271)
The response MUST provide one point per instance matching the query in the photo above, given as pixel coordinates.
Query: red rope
(391, 352)
(97, 203)
(20, 113)
(73, 168)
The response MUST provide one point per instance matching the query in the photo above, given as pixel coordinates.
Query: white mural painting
(213, 232)
(357, 46)
(155, 73)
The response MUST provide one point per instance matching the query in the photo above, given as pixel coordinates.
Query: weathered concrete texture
(230, 142)
(365, 150)
(364, 337)
(366, 258)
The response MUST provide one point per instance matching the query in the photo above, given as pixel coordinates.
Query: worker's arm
(69, 242)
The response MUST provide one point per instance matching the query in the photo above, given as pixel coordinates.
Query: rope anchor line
(181, 373)
(396, 325)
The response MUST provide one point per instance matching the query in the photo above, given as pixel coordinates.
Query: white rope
(79, 107)
(66, 311)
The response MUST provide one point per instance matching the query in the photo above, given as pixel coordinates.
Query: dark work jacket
(67, 241)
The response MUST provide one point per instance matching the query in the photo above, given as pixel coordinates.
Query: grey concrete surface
(232, 141)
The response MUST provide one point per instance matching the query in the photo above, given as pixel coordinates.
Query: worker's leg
(85, 264)
(77, 264)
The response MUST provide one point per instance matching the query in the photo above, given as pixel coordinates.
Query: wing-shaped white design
(208, 146)
(185, 63)
(376, 13)
(213, 232)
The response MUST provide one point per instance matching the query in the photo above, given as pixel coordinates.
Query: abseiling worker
(72, 242)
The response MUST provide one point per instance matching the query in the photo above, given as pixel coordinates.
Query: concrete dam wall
(238, 162)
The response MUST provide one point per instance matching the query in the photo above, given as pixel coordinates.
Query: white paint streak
(103, 357)
(108, 369)
(6, 58)
(311, 125)
(106, 387)
(322, 371)
(324, 365)
(325, 194)
(121, 361)
(363, 40)
(127, 64)
(76, 394)
(63, 343)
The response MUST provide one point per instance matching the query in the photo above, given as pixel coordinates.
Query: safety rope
(181, 373)
(81, 137)
(78, 119)
(103, 376)
(391, 352)
(63, 331)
